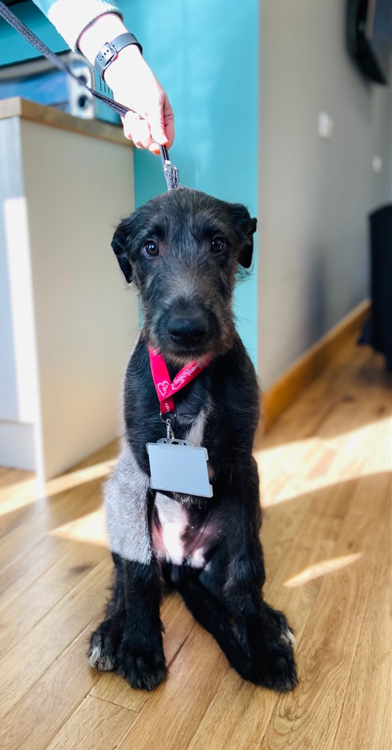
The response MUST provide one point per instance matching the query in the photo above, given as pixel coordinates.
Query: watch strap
(109, 51)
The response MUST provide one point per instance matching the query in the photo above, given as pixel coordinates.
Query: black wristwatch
(109, 52)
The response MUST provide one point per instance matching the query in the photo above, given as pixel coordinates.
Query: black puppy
(183, 251)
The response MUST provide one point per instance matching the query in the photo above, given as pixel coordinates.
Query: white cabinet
(67, 320)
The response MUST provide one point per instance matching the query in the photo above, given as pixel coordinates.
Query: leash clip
(168, 421)
(169, 430)
(172, 175)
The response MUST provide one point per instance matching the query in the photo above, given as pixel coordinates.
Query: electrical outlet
(325, 126)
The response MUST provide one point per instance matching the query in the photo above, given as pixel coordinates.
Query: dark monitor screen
(379, 32)
(369, 37)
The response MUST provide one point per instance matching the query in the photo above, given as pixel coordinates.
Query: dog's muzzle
(188, 331)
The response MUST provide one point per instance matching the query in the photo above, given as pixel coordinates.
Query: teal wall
(205, 53)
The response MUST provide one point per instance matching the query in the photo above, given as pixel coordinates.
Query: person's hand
(134, 84)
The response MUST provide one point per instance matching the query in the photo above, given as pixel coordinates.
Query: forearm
(104, 29)
(72, 17)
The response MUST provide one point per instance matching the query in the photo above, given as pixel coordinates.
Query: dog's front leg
(129, 640)
(140, 658)
(264, 634)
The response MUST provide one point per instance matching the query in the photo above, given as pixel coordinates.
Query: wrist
(101, 30)
(128, 59)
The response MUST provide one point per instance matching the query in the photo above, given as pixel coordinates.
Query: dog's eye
(150, 249)
(217, 244)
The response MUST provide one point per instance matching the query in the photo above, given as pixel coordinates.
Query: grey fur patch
(99, 661)
(126, 509)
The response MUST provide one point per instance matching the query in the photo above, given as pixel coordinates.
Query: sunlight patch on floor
(74, 478)
(21, 494)
(291, 470)
(89, 528)
(321, 569)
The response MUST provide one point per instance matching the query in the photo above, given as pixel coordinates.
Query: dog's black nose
(187, 331)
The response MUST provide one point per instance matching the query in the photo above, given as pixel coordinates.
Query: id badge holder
(177, 466)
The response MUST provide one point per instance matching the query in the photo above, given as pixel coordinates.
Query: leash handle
(169, 170)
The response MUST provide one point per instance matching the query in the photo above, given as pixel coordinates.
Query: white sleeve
(71, 17)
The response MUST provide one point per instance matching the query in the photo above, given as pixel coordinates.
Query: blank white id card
(177, 466)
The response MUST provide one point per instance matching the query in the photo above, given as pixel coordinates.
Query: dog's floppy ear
(121, 246)
(246, 227)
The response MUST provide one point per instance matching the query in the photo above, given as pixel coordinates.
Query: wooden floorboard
(326, 486)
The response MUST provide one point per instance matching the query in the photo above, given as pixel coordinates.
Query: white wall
(314, 195)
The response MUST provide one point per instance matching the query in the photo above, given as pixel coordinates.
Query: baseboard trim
(281, 394)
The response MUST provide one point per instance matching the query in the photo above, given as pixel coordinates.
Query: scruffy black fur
(183, 251)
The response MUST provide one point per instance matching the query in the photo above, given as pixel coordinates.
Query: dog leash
(169, 170)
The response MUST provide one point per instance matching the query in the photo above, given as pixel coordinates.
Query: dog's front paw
(141, 668)
(282, 671)
(103, 646)
(271, 647)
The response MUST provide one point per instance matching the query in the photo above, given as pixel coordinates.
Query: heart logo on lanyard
(163, 388)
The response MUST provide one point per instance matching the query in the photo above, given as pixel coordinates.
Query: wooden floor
(326, 484)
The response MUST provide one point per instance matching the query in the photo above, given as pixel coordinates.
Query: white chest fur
(175, 539)
(173, 522)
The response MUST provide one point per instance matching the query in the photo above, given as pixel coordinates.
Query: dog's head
(183, 250)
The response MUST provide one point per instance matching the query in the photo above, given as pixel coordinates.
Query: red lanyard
(166, 389)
